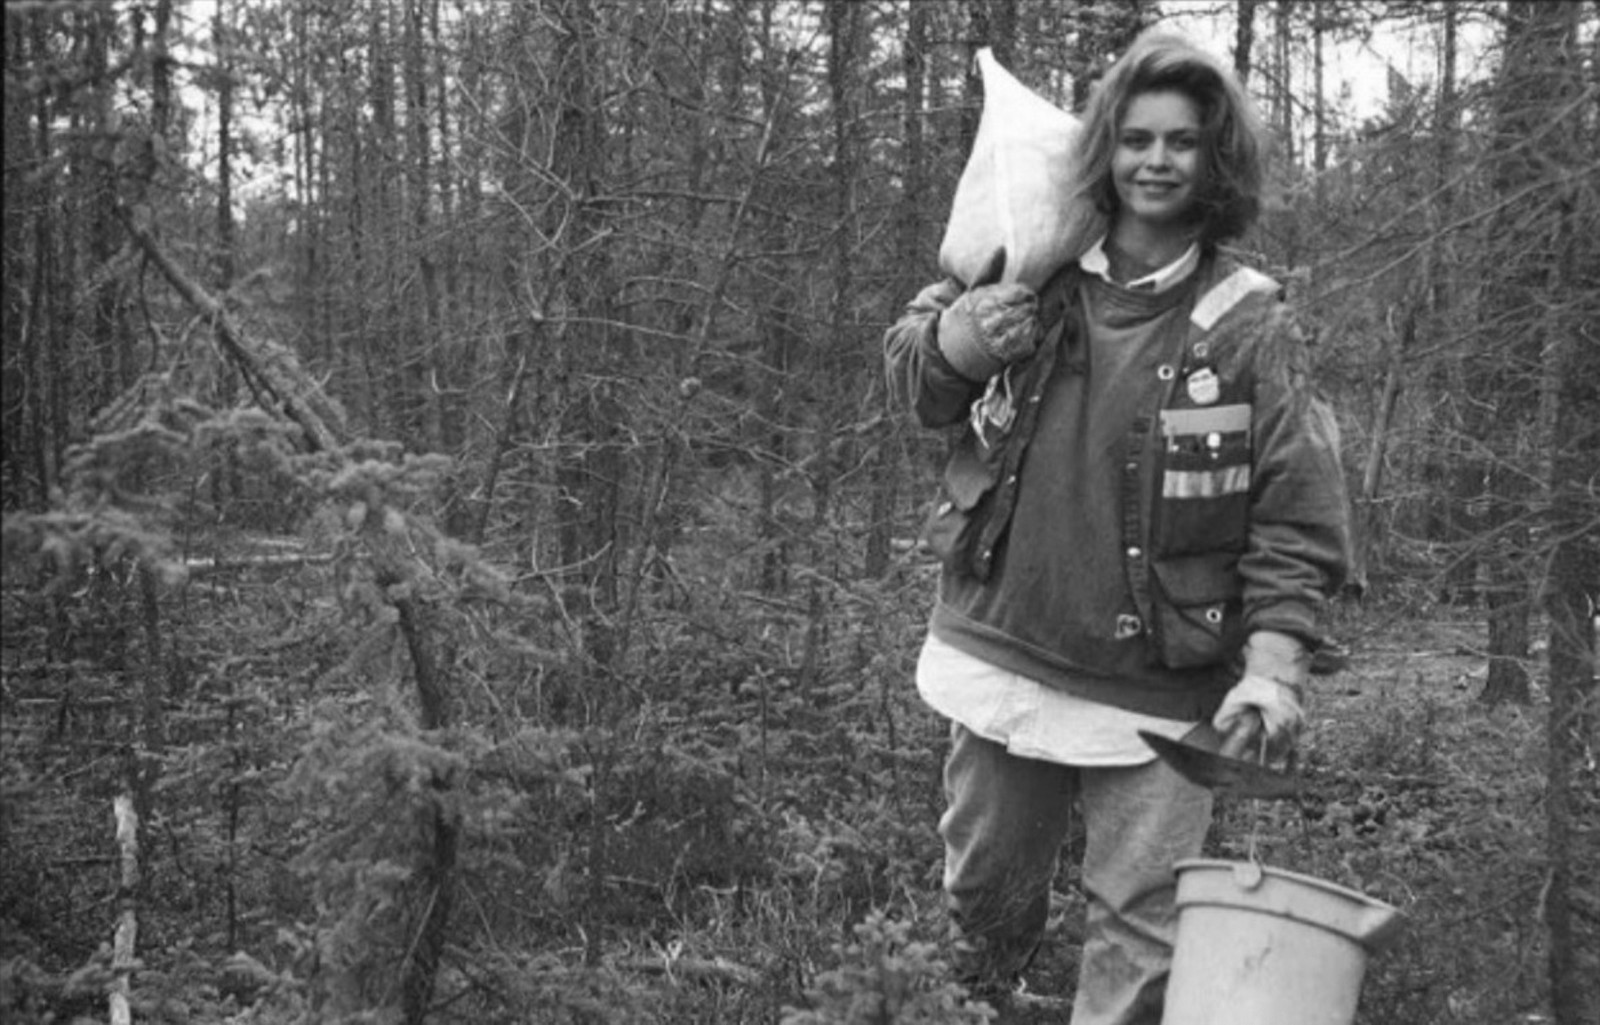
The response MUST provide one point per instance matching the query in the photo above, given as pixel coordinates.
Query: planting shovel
(1198, 758)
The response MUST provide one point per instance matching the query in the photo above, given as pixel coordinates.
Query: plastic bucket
(1261, 946)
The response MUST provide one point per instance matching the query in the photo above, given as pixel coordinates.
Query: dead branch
(714, 969)
(126, 939)
(204, 567)
(273, 373)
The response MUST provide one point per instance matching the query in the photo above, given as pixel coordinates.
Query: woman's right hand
(988, 328)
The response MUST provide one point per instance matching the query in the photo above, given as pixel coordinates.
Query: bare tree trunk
(225, 483)
(1244, 37)
(590, 471)
(979, 35)
(436, 875)
(1572, 585)
(1572, 803)
(1397, 342)
(1505, 375)
(838, 349)
(29, 237)
(226, 243)
(781, 337)
(1319, 137)
(1003, 31)
(429, 348)
(380, 301)
(909, 242)
(1283, 88)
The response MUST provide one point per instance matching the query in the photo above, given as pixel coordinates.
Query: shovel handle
(1248, 731)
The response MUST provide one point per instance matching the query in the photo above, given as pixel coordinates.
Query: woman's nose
(1158, 155)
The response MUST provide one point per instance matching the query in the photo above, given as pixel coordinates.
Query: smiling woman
(1197, 104)
(1155, 168)
(1142, 518)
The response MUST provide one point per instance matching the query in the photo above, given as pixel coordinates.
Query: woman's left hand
(1260, 719)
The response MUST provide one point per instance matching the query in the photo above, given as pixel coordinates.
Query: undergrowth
(709, 831)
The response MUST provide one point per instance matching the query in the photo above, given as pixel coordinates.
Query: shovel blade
(1220, 773)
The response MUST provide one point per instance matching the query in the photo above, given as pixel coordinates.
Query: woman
(1143, 518)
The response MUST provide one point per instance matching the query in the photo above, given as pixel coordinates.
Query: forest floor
(715, 862)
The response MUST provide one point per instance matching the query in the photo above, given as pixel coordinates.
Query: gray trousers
(1003, 827)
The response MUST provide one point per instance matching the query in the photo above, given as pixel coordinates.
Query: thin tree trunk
(226, 244)
(1244, 37)
(436, 876)
(1397, 344)
(979, 35)
(1572, 586)
(1283, 93)
(1319, 137)
(1506, 375)
(429, 351)
(909, 243)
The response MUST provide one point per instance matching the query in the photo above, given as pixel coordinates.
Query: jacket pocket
(1204, 500)
(1198, 609)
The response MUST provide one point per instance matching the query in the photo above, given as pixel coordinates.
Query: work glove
(990, 326)
(1261, 716)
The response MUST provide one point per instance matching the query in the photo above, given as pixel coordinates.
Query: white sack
(1013, 193)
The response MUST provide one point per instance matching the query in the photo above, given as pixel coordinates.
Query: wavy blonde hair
(1233, 142)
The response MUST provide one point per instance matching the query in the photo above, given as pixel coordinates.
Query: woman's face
(1156, 166)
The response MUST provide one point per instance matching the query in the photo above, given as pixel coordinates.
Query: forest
(461, 562)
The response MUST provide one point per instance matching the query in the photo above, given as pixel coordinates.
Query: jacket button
(1134, 551)
(1166, 372)
(945, 507)
(1011, 479)
(1132, 467)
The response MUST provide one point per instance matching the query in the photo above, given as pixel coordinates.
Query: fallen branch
(273, 373)
(205, 566)
(715, 969)
(127, 934)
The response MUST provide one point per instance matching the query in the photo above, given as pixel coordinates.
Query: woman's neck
(1151, 245)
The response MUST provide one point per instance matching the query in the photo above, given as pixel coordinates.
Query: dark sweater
(1081, 556)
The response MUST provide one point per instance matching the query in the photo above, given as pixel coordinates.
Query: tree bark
(909, 242)
(1504, 374)
(226, 243)
(1283, 87)
(436, 876)
(1244, 37)
(1397, 343)
(591, 468)
(1572, 584)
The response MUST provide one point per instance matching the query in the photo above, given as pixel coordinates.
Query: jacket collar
(1097, 263)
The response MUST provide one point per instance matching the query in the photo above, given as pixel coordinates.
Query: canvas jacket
(1230, 514)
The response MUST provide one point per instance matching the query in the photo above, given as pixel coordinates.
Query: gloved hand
(1262, 714)
(990, 326)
